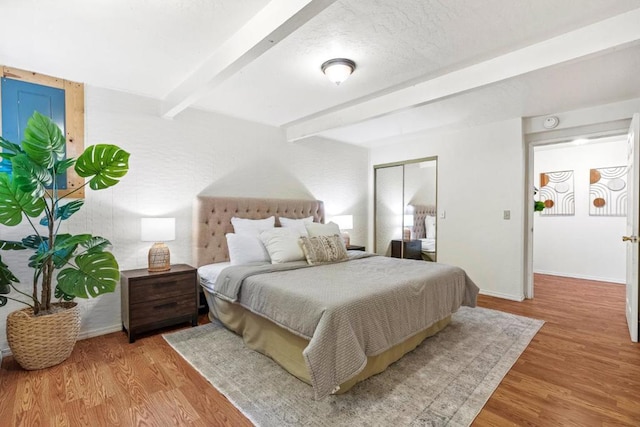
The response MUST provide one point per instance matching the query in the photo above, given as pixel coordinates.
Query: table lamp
(408, 224)
(158, 230)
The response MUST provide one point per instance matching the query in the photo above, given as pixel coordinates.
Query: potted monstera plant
(64, 266)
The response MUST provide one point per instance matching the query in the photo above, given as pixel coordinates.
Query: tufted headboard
(420, 212)
(212, 220)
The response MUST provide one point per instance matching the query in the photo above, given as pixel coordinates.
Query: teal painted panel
(19, 101)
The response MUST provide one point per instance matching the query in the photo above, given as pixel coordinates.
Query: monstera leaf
(64, 212)
(33, 241)
(59, 294)
(104, 163)
(9, 149)
(62, 166)
(29, 176)
(96, 244)
(63, 248)
(6, 245)
(14, 202)
(64, 241)
(43, 141)
(6, 278)
(97, 273)
(38, 259)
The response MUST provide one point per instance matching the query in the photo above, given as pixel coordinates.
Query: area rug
(445, 381)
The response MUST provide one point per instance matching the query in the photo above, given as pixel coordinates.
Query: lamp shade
(345, 222)
(408, 220)
(157, 229)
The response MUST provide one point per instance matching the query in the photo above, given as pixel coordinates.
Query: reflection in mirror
(405, 209)
(420, 198)
(388, 208)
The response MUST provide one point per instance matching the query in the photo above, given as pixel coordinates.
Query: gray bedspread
(348, 310)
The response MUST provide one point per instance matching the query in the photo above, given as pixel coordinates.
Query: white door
(631, 239)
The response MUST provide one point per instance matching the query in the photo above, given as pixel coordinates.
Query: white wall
(581, 246)
(480, 174)
(420, 183)
(172, 161)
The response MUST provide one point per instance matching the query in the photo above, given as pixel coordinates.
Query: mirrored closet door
(405, 209)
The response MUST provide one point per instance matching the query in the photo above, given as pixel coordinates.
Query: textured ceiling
(393, 43)
(145, 47)
(152, 47)
(599, 80)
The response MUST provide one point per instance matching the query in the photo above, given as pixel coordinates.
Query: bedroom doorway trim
(557, 136)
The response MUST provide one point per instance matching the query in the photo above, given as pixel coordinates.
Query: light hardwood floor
(580, 369)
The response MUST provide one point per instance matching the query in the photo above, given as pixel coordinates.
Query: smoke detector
(551, 122)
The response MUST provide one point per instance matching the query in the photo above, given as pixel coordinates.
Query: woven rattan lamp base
(159, 257)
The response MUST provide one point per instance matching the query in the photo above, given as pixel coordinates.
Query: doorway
(629, 181)
(582, 185)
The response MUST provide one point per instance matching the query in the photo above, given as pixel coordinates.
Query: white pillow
(316, 229)
(430, 226)
(246, 249)
(282, 245)
(252, 227)
(297, 224)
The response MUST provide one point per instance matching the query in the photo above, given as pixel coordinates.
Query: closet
(405, 209)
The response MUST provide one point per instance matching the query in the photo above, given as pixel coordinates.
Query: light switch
(442, 214)
(507, 214)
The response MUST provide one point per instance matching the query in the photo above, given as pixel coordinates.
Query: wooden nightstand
(411, 249)
(152, 300)
(355, 248)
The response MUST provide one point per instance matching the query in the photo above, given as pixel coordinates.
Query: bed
(424, 229)
(339, 340)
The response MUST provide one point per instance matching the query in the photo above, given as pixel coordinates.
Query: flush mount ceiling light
(338, 69)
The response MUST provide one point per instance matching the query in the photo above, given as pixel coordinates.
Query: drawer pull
(167, 305)
(165, 284)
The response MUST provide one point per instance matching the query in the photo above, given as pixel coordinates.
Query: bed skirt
(285, 348)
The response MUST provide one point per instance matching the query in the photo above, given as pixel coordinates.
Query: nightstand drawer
(409, 249)
(153, 300)
(167, 308)
(154, 288)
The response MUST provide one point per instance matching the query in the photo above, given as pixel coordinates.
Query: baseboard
(501, 295)
(82, 336)
(100, 331)
(580, 276)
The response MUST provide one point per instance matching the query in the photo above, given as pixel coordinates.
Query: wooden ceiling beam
(273, 23)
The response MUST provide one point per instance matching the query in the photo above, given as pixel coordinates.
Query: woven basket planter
(38, 342)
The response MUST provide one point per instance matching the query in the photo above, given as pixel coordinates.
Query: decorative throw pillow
(282, 245)
(297, 224)
(252, 227)
(316, 229)
(246, 249)
(323, 249)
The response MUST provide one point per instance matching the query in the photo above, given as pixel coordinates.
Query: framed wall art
(557, 193)
(608, 191)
